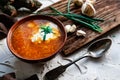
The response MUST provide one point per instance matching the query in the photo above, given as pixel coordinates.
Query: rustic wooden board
(109, 10)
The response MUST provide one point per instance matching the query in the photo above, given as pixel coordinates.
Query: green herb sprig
(46, 30)
(84, 20)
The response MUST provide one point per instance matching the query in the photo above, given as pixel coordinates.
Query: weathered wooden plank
(109, 10)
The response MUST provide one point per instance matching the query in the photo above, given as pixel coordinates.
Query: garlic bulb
(80, 33)
(91, 1)
(88, 9)
(78, 2)
(70, 28)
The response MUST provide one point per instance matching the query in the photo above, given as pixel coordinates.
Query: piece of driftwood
(33, 77)
(3, 31)
(109, 10)
(11, 7)
(5, 24)
(12, 76)
(9, 76)
(7, 20)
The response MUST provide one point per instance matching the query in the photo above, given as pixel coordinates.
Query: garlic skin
(91, 1)
(78, 2)
(88, 9)
(81, 33)
(70, 28)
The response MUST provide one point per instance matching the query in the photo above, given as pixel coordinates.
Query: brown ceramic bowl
(24, 45)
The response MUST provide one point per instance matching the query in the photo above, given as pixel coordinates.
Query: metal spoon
(96, 50)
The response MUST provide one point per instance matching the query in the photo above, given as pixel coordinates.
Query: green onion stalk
(82, 19)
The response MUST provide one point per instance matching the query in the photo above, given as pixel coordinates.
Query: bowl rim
(32, 17)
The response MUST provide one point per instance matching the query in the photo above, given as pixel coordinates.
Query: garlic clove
(67, 28)
(73, 28)
(78, 2)
(91, 1)
(88, 9)
(70, 28)
(81, 33)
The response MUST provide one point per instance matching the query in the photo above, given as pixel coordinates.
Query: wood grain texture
(109, 10)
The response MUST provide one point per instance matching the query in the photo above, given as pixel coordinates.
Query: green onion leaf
(46, 30)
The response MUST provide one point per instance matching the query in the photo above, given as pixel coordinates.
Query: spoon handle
(53, 74)
(69, 64)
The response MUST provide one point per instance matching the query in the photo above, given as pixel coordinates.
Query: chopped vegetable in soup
(36, 39)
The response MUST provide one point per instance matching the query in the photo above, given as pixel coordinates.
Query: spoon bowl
(96, 50)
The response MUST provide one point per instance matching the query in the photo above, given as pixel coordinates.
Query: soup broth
(27, 39)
